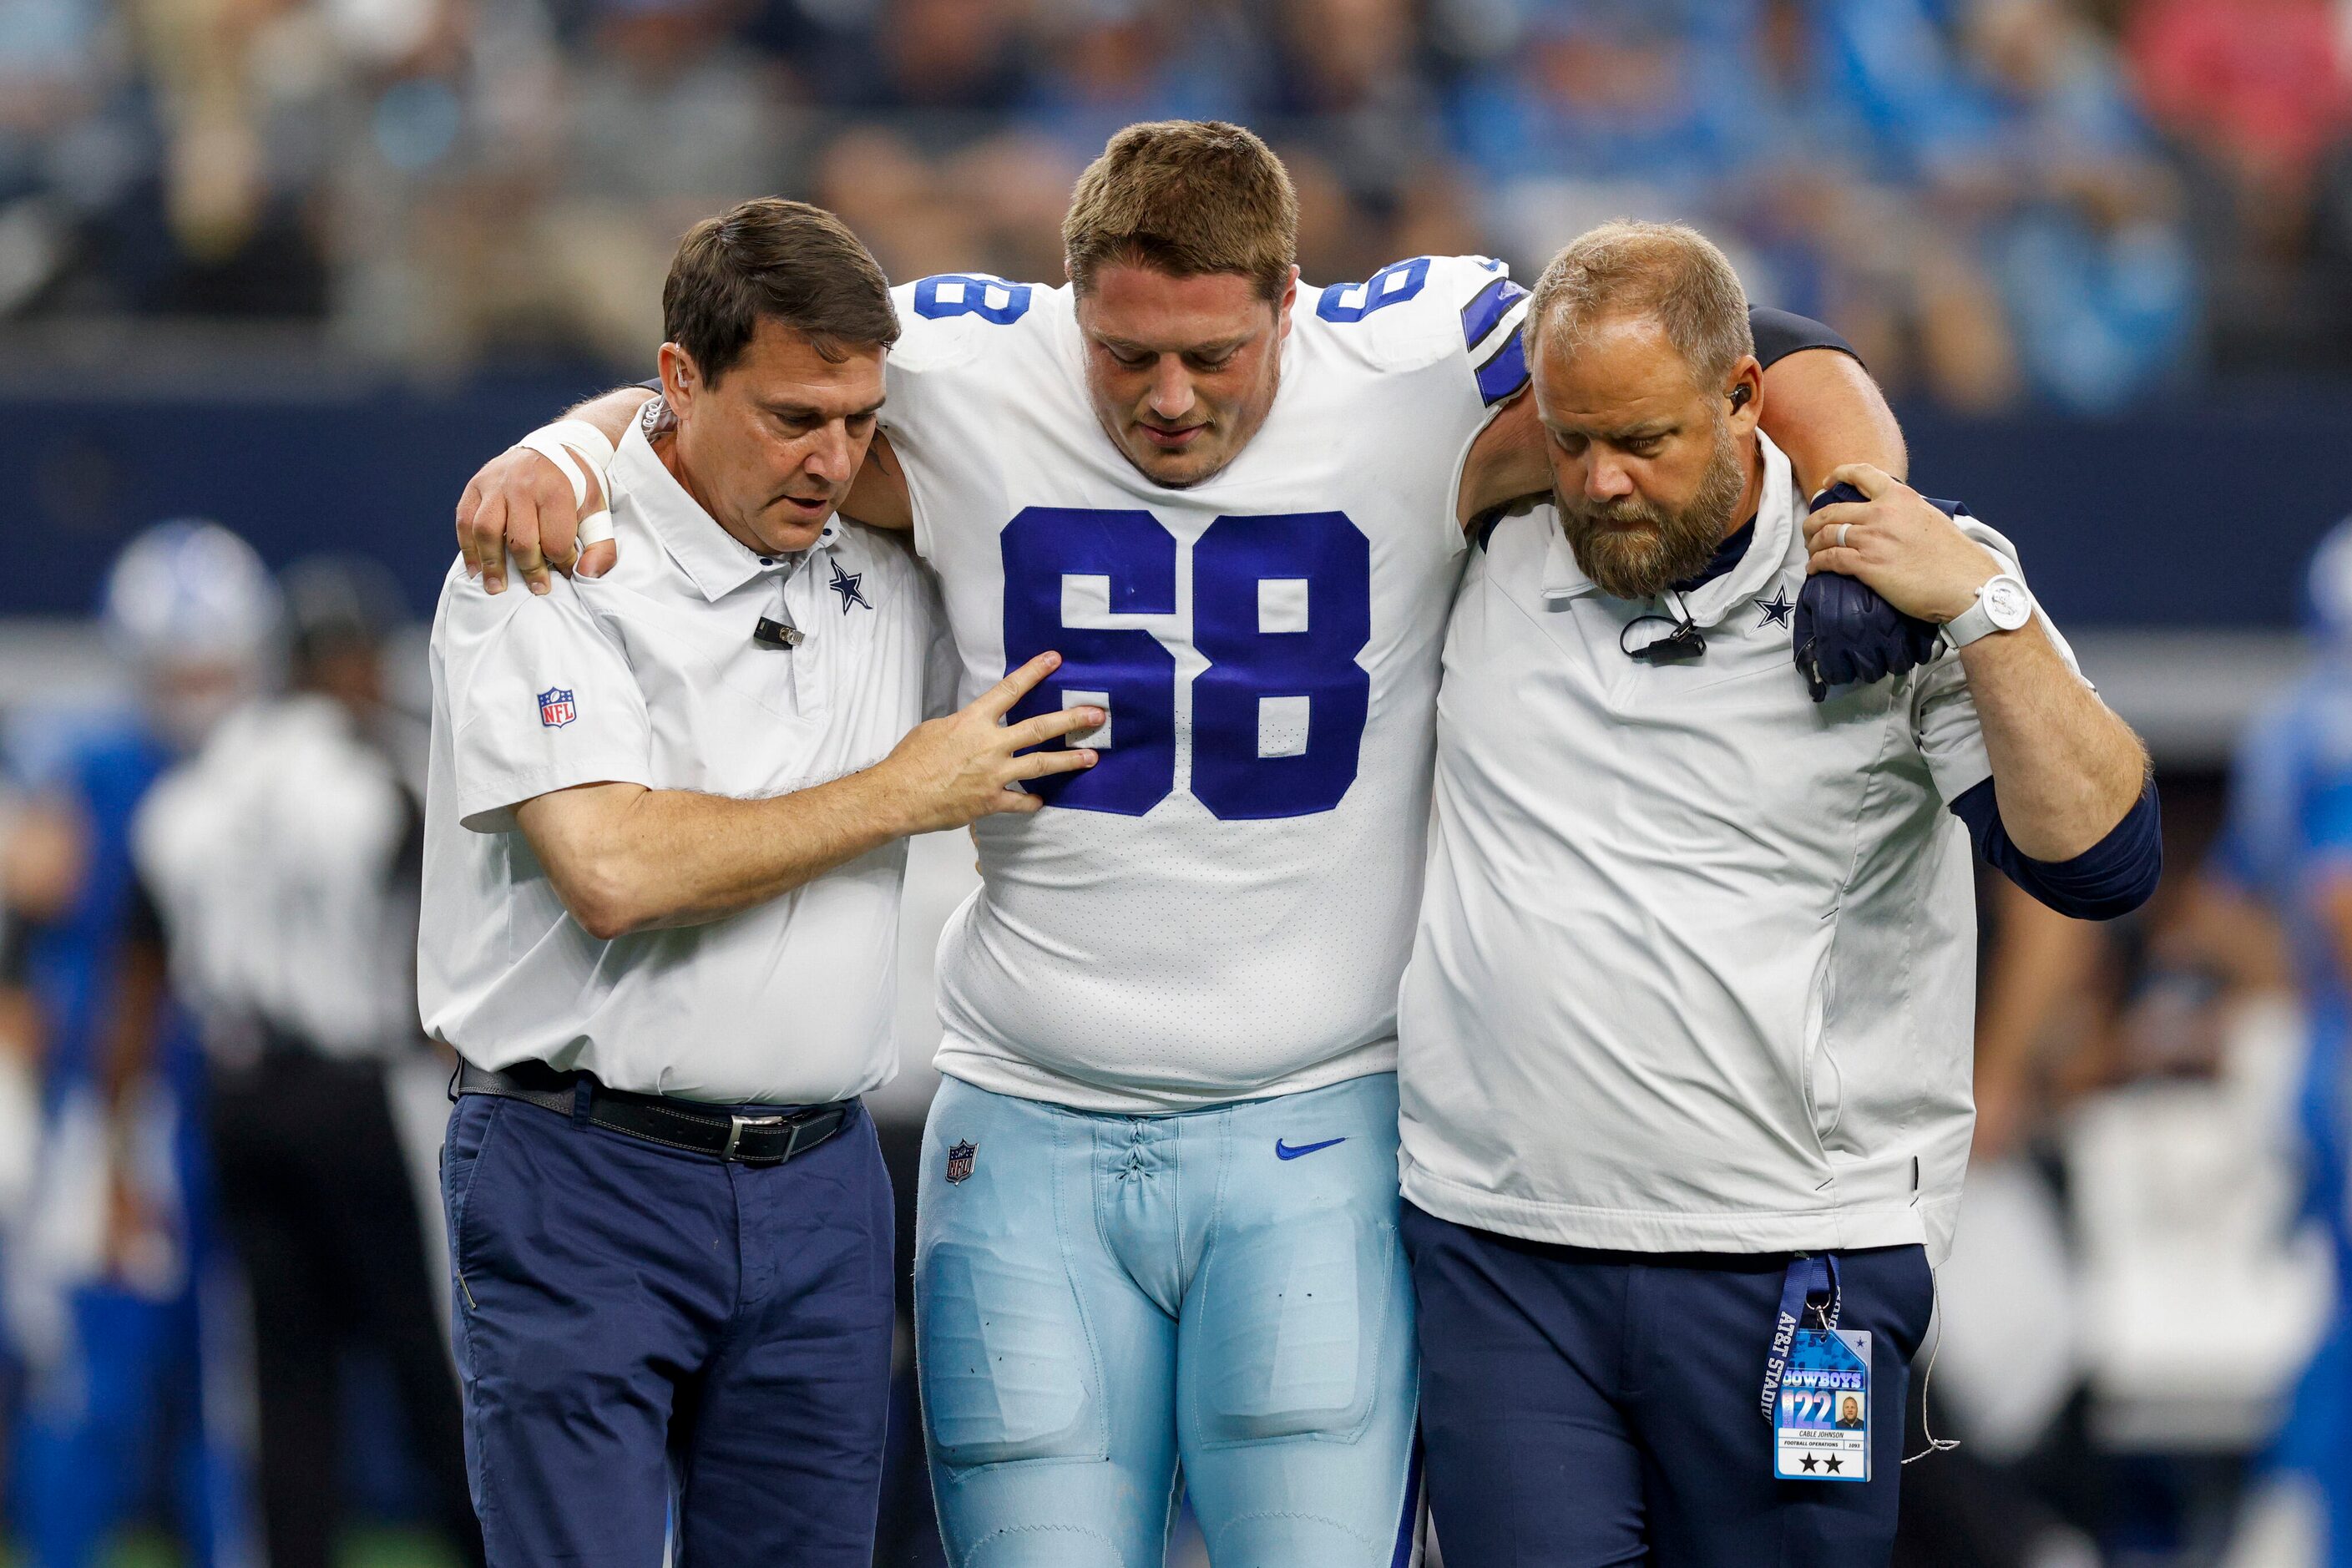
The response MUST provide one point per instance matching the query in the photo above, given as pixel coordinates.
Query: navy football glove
(1846, 633)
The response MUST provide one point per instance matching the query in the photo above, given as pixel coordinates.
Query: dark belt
(658, 1119)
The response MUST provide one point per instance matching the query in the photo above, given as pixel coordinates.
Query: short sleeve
(1944, 711)
(1461, 313)
(540, 696)
(1779, 333)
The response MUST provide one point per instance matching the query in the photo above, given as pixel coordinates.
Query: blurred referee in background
(280, 863)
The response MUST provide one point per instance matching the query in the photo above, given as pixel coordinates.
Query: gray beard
(1665, 546)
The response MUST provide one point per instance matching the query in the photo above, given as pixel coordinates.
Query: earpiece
(1739, 396)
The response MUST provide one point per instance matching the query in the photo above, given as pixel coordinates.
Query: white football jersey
(1221, 909)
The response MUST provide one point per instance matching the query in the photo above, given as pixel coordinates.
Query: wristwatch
(2002, 604)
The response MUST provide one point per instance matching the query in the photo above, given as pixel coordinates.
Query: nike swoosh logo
(1283, 1150)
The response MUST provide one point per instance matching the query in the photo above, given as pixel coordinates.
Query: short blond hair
(1185, 197)
(1665, 271)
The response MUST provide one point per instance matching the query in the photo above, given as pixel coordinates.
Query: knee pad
(1006, 1364)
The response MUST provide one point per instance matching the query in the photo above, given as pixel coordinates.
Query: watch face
(2007, 604)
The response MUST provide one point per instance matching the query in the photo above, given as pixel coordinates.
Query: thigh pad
(1288, 1332)
(1007, 1366)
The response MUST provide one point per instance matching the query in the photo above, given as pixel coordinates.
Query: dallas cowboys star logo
(845, 585)
(1776, 609)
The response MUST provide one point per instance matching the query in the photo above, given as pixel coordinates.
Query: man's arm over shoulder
(520, 503)
(1820, 406)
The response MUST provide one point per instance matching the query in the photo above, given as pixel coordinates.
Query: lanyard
(1809, 1275)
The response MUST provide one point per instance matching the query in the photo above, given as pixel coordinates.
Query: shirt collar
(715, 559)
(1718, 585)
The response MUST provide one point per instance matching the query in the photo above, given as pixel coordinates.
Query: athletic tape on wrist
(563, 443)
(544, 443)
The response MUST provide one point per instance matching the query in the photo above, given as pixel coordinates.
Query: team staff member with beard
(1686, 1033)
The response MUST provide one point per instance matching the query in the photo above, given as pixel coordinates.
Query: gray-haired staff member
(661, 899)
(1685, 1037)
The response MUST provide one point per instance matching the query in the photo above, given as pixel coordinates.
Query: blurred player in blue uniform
(2287, 843)
(108, 1278)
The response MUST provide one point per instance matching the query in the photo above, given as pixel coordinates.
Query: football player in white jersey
(1158, 1192)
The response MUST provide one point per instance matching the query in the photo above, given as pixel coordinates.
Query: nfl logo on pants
(960, 1157)
(555, 708)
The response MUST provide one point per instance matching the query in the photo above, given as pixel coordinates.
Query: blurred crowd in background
(2082, 202)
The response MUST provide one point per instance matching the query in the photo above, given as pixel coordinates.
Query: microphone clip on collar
(773, 633)
(1682, 641)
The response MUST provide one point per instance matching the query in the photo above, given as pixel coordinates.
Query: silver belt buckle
(736, 1124)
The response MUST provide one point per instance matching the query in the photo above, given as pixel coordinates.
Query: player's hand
(1892, 540)
(520, 503)
(1846, 634)
(954, 771)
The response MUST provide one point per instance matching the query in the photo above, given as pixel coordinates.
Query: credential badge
(959, 1158)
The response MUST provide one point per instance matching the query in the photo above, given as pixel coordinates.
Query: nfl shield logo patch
(555, 708)
(960, 1157)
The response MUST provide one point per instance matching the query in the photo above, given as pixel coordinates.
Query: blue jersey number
(1281, 608)
(1391, 285)
(972, 294)
(1128, 670)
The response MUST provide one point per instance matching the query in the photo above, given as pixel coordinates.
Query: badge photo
(1817, 1380)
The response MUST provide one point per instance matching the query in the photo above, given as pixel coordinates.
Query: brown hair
(1185, 197)
(1665, 271)
(787, 261)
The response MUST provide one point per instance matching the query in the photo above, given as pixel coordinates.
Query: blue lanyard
(1809, 1275)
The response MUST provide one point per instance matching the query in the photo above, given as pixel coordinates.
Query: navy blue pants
(628, 1315)
(1586, 1408)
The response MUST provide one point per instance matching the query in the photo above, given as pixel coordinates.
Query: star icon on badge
(1776, 609)
(1834, 1465)
(1807, 1462)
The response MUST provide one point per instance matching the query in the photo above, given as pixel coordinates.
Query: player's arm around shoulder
(1819, 404)
(1453, 323)
(527, 502)
(1823, 409)
(2066, 771)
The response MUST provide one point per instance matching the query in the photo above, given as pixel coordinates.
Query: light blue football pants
(1105, 1302)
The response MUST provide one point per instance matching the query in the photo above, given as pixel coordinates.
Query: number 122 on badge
(1821, 1422)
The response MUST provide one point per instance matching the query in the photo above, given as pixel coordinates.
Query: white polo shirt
(1696, 962)
(650, 676)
